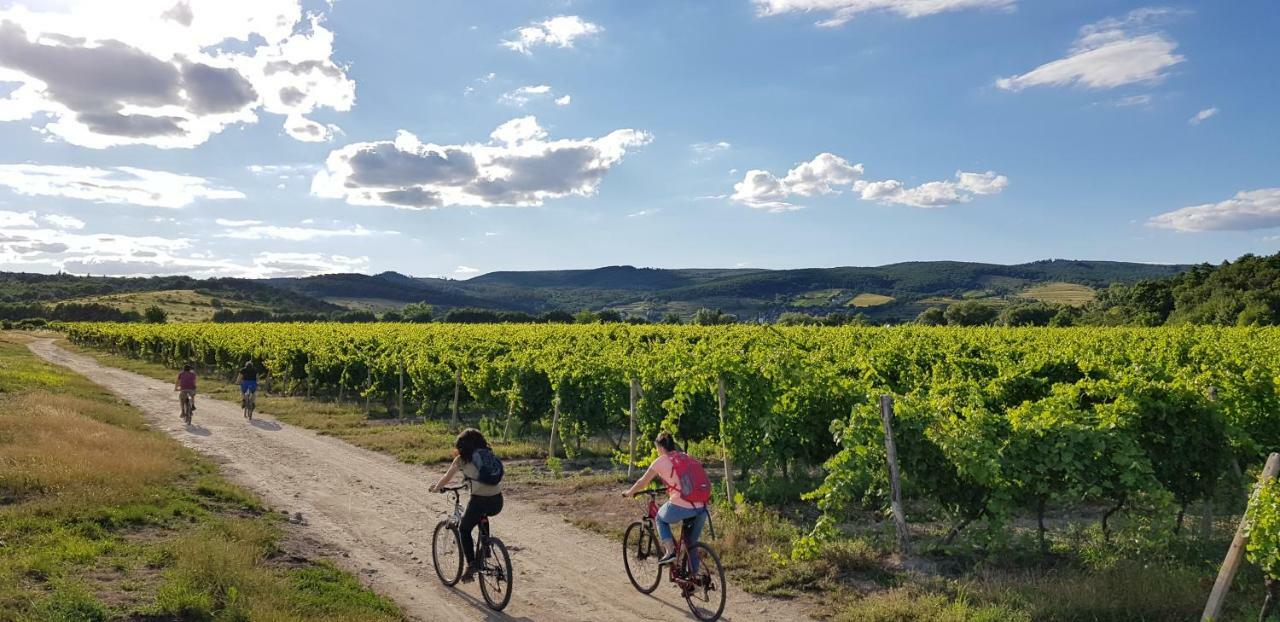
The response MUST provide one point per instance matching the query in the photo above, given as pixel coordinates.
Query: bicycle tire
(495, 576)
(448, 571)
(642, 541)
(714, 591)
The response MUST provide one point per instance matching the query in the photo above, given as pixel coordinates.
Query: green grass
(865, 300)
(102, 518)
(1060, 293)
(818, 298)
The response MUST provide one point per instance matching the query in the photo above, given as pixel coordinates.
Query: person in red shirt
(186, 385)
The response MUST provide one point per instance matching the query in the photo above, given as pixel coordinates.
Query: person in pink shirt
(186, 384)
(676, 509)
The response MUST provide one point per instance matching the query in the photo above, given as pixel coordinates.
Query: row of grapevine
(990, 422)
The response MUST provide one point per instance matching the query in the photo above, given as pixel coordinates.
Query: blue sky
(276, 138)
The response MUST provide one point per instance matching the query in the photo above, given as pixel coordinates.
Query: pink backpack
(692, 482)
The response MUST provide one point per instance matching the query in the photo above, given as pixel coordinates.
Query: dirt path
(379, 512)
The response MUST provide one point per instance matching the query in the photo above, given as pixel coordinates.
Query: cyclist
(186, 386)
(248, 378)
(677, 508)
(486, 499)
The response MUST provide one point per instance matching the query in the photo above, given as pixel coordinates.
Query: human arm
(643, 482)
(448, 475)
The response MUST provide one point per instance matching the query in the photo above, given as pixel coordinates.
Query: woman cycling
(186, 386)
(676, 509)
(486, 499)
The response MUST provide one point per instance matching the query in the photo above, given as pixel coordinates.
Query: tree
(609, 315)
(585, 316)
(671, 317)
(155, 315)
(933, 316)
(417, 313)
(795, 318)
(707, 317)
(1027, 314)
(392, 316)
(969, 313)
(353, 317)
(556, 316)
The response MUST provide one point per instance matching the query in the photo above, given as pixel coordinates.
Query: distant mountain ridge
(891, 292)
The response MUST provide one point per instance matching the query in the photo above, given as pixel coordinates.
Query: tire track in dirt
(380, 514)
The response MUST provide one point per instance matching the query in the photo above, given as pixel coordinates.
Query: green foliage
(1264, 528)
(155, 315)
(970, 313)
(708, 317)
(417, 313)
(933, 316)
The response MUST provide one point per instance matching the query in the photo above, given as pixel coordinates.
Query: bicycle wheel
(706, 594)
(640, 555)
(446, 553)
(495, 575)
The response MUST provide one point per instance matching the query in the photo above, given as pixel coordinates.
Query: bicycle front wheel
(706, 591)
(446, 553)
(495, 575)
(640, 555)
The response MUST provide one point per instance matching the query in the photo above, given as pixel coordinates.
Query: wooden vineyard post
(511, 412)
(1235, 554)
(400, 394)
(631, 438)
(368, 388)
(895, 489)
(728, 460)
(555, 421)
(457, 384)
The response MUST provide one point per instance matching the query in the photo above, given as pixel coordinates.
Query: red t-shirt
(187, 381)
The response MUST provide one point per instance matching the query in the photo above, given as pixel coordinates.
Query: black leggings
(477, 508)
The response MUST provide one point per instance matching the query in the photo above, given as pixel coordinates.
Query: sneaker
(469, 575)
(667, 559)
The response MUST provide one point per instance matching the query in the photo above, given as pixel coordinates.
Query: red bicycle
(696, 570)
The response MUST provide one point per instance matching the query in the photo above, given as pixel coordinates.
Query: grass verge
(103, 519)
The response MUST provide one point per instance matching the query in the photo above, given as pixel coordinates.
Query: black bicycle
(492, 561)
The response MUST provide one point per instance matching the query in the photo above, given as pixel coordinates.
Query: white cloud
(10, 219)
(168, 73)
(1247, 211)
(225, 222)
(1110, 53)
(830, 174)
(644, 212)
(564, 100)
(704, 152)
(525, 94)
(519, 166)
(63, 222)
(1132, 100)
(1203, 115)
(466, 270)
(560, 31)
(259, 231)
(841, 11)
(121, 184)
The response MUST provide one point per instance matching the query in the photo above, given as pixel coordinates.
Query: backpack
(488, 467)
(692, 482)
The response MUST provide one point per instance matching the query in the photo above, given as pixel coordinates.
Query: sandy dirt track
(379, 513)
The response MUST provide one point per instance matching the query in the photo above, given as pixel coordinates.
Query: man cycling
(677, 508)
(186, 386)
(248, 379)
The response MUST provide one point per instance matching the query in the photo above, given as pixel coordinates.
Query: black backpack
(488, 467)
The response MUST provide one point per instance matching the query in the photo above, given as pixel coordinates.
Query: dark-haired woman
(676, 509)
(486, 499)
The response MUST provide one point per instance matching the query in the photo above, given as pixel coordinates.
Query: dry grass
(865, 300)
(182, 305)
(1061, 293)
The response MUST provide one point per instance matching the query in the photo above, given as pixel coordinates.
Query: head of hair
(248, 364)
(665, 441)
(186, 368)
(469, 440)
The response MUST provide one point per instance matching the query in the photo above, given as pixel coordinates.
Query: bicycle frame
(455, 519)
(675, 571)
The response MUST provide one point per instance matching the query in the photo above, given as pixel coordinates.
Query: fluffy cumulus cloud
(525, 94)
(1248, 210)
(841, 11)
(518, 166)
(828, 174)
(168, 73)
(1110, 53)
(120, 184)
(52, 242)
(560, 31)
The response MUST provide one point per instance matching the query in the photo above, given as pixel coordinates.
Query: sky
(268, 138)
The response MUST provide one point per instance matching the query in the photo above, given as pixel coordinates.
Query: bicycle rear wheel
(640, 555)
(446, 553)
(706, 594)
(495, 575)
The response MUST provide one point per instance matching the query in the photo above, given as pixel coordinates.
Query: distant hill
(894, 292)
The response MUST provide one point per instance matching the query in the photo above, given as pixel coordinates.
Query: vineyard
(990, 424)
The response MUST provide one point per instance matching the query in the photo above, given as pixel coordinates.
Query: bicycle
(703, 589)
(248, 400)
(491, 556)
(187, 401)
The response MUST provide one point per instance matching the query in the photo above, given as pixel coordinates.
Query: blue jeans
(669, 515)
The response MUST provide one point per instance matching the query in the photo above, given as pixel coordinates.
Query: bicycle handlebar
(453, 488)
